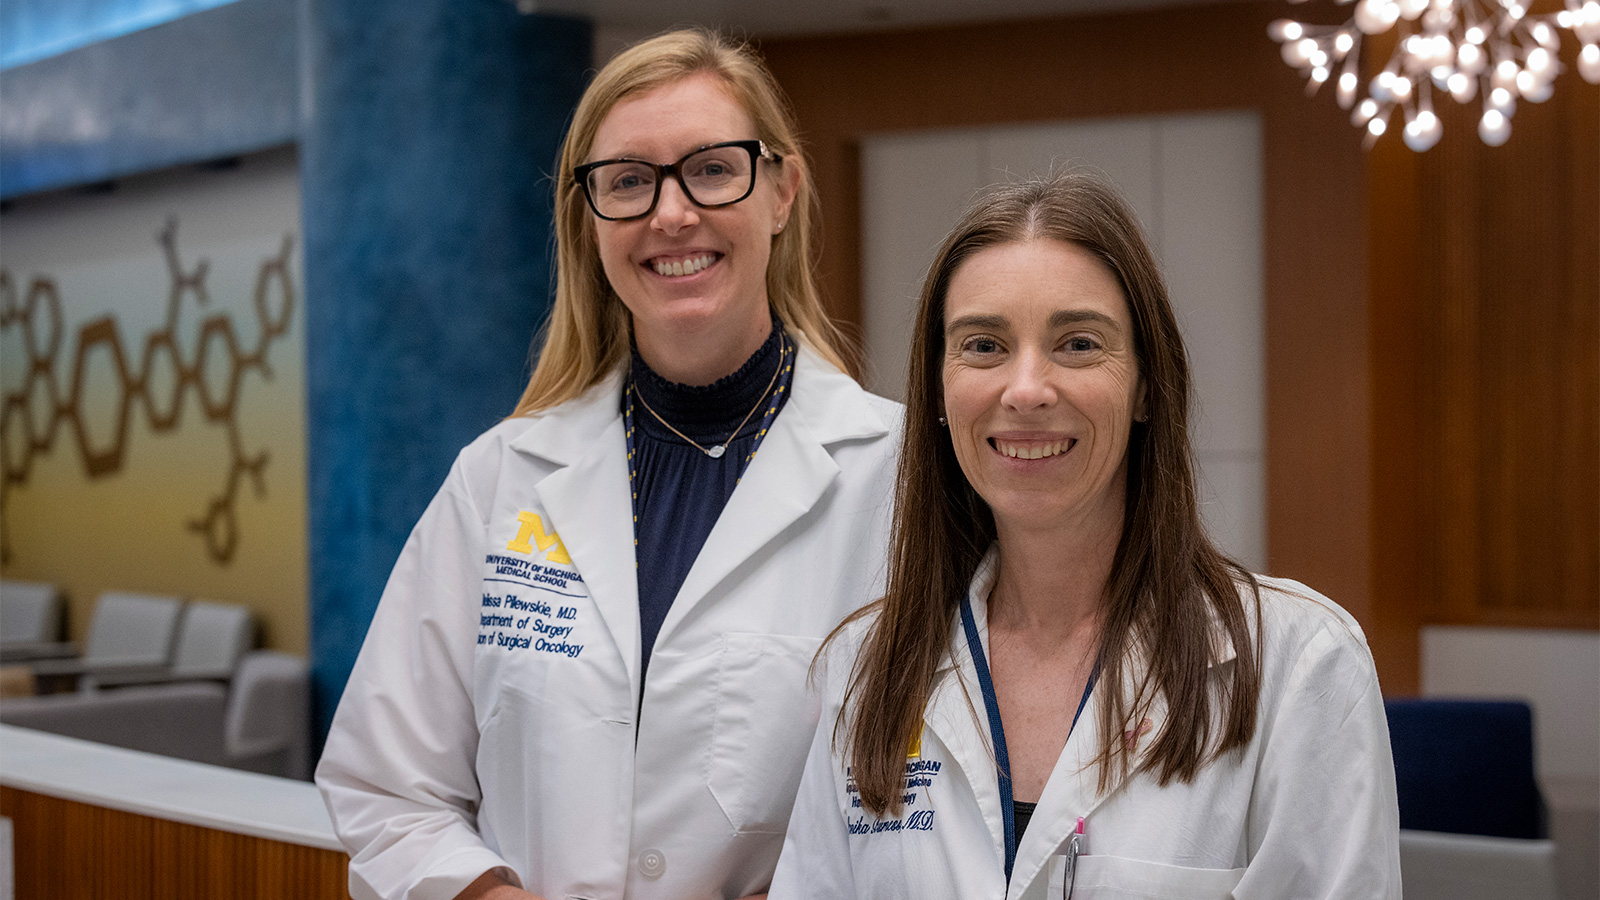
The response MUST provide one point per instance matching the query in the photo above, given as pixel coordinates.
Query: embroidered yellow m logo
(533, 528)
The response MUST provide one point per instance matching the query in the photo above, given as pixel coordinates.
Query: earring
(780, 226)
(943, 422)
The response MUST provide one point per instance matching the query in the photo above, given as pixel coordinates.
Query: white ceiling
(628, 19)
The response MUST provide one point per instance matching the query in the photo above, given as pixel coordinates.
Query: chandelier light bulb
(1376, 16)
(1494, 128)
(1454, 47)
(1286, 30)
(1533, 88)
(1589, 63)
(1422, 132)
(1379, 88)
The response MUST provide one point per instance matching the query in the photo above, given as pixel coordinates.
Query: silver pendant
(717, 451)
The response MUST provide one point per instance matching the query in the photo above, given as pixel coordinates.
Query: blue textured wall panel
(431, 128)
(216, 83)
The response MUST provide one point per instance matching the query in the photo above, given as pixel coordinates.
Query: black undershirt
(682, 491)
(1021, 812)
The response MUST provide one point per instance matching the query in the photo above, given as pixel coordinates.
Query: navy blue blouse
(679, 491)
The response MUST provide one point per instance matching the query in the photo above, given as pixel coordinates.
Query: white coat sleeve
(815, 863)
(1324, 819)
(398, 772)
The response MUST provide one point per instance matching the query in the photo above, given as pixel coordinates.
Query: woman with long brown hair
(1067, 689)
(586, 677)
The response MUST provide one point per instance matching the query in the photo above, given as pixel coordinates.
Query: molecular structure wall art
(147, 380)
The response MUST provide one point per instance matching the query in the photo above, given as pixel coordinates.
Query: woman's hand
(490, 886)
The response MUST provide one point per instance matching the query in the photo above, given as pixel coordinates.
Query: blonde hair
(587, 334)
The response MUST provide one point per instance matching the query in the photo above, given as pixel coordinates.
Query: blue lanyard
(991, 703)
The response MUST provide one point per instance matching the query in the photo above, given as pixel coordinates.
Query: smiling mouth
(678, 268)
(1031, 449)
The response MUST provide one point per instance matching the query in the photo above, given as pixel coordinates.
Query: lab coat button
(652, 864)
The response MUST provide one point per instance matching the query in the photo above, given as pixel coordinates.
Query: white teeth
(1031, 451)
(683, 267)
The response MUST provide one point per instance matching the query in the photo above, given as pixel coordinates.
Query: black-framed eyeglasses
(712, 176)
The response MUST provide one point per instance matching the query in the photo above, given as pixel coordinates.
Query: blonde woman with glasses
(586, 677)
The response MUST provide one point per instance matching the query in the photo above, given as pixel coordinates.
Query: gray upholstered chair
(31, 620)
(212, 638)
(260, 721)
(128, 630)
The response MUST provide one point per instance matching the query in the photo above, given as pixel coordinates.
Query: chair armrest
(269, 709)
(28, 651)
(179, 720)
(126, 676)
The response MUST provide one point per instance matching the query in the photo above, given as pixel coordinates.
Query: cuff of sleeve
(450, 876)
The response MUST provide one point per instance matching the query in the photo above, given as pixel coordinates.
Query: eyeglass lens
(711, 177)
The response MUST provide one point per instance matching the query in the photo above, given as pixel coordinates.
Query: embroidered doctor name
(514, 618)
(920, 774)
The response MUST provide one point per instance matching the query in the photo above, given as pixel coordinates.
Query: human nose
(674, 210)
(1028, 385)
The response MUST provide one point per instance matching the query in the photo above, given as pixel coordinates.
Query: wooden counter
(94, 821)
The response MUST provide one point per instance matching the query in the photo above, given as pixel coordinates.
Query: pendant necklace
(716, 450)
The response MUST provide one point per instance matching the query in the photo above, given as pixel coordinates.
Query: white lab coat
(493, 719)
(1306, 810)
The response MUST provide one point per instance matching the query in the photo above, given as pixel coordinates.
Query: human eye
(980, 346)
(1080, 343)
(714, 166)
(627, 178)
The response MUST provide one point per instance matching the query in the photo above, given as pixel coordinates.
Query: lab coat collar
(788, 476)
(588, 503)
(956, 718)
(587, 496)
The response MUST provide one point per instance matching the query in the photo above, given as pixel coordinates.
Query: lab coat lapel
(588, 505)
(1073, 789)
(791, 470)
(957, 718)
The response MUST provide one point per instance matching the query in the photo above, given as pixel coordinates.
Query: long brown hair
(1167, 581)
(587, 334)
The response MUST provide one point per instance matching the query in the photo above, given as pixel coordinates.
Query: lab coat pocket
(503, 771)
(1118, 878)
(762, 728)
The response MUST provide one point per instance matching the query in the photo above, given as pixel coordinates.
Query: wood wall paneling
(1431, 331)
(66, 850)
(1484, 273)
(1167, 61)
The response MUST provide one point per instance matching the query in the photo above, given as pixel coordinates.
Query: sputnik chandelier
(1459, 48)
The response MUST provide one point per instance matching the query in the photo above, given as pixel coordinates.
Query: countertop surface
(264, 806)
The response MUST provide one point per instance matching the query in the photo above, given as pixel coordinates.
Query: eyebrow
(1058, 319)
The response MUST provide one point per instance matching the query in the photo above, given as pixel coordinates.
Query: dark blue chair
(1466, 767)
